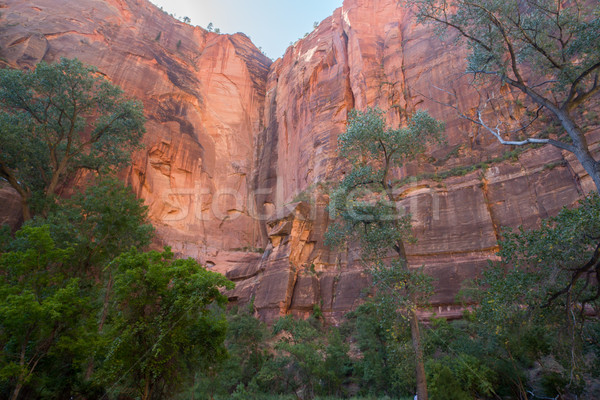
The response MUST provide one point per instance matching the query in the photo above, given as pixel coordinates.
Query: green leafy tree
(532, 311)
(546, 50)
(302, 347)
(365, 210)
(546, 283)
(248, 350)
(99, 223)
(60, 119)
(44, 313)
(386, 364)
(103, 221)
(246, 345)
(338, 366)
(164, 324)
(465, 361)
(562, 256)
(459, 377)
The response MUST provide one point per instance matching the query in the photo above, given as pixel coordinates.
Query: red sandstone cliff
(369, 53)
(203, 94)
(239, 152)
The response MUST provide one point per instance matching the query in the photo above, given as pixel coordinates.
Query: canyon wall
(240, 151)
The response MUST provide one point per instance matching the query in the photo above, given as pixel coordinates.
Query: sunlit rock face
(240, 152)
(203, 94)
(370, 53)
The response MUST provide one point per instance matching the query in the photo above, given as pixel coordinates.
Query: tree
(540, 300)
(187, 20)
(43, 312)
(364, 204)
(209, 27)
(60, 119)
(386, 366)
(99, 223)
(546, 50)
(301, 351)
(163, 324)
(248, 350)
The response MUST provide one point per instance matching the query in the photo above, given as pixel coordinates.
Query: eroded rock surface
(240, 151)
(203, 94)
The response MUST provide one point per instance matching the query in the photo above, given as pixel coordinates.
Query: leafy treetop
(59, 119)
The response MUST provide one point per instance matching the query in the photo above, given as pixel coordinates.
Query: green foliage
(302, 359)
(247, 350)
(459, 377)
(5, 237)
(549, 270)
(245, 342)
(163, 321)
(45, 319)
(59, 119)
(63, 336)
(367, 141)
(462, 170)
(565, 241)
(364, 196)
(301, 347)
(99, 223)
(386, 366)
(531, 305)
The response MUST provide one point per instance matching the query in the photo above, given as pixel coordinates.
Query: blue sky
(272, 24)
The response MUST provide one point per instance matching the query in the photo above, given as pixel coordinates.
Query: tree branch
(494, 20)
(496, 132)
(594, 262)
(572, 102)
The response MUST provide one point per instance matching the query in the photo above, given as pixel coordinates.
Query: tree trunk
(581, 146)
(23, 191)
(15, 393)
(26, 209)
(591, 166)
(57, 174)
(415, 332)
(146, 395)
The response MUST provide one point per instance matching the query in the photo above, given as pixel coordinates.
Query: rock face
(203, 94)
(240, 152)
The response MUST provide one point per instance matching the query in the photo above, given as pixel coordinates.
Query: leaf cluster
(162, 322)
(363, 205)
(552, 40)
(59, 119)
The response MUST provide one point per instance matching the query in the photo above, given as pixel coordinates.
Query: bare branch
(496, 132)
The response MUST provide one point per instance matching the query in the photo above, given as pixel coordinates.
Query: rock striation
(240, 151)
